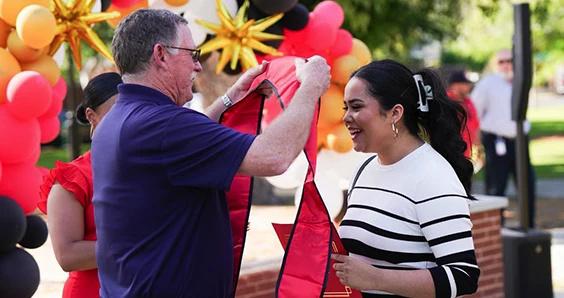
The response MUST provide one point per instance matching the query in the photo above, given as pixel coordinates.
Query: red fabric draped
(307, 258)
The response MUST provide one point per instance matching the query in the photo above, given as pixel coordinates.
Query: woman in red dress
(66, 198)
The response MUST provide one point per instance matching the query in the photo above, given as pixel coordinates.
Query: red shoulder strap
(307, 258)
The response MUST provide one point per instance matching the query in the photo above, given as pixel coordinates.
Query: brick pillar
(489, 253)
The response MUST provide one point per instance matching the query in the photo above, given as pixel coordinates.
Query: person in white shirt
(407, 225)
(492, 98)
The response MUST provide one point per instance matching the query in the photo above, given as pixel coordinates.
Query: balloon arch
(32, 90)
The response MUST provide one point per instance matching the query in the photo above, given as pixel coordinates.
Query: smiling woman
(407, 220)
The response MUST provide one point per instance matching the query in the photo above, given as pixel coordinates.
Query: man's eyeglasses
(504, 61)
(195, 53)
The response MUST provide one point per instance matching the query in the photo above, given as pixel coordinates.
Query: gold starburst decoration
(238, 37)
(74, 20)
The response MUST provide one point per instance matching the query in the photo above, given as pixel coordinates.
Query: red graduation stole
(307, 258)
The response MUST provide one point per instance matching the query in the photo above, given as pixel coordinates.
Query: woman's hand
(355, 273)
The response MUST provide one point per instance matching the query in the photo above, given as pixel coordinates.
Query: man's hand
(314, 72)
(241, 87)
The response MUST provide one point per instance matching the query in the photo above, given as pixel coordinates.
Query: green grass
(547, 142)
(546, 121)
(50, 155)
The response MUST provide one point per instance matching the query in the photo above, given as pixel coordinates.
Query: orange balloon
(46, 66)
(9, 67)
(9, 9)
(36, 26)
(176, 2)
(331, 111)
(322, 137)
(125, 11)
(21, 51)
(361, 52)
(5, 30)
(342, 69)
(339, 139)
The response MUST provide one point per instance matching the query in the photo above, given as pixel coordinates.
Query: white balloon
(330, 192)
(293, 177)
(161, 4)
(199, 33)
(97, 6)
(340, 165)
(207, 10)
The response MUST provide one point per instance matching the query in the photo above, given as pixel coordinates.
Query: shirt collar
(135, 92)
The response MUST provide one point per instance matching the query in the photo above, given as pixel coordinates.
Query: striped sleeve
(445, 222)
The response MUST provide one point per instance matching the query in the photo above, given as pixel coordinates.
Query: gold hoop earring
(91, 131)
(395, 130)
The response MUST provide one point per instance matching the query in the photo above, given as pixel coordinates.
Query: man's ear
(160, 57)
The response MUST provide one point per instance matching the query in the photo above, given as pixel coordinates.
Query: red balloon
(330, 11)
(60, 90)
(20, 182)
(343, 43)
(124, 3)
(18, 138)
(50, 128)
(29, 94)
(54, 109)
(321, 34)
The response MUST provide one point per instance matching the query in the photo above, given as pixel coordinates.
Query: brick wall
(487, 241)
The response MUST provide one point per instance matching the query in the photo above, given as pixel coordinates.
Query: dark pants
(498, 168)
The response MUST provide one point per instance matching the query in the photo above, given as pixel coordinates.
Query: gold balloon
(36, 26)
(176, 2)
(239, 37)
(21, 51)
(9, 9)
(5, 31)
(339, 139)
(74, 20)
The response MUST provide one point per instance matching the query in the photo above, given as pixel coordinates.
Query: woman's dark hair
(392, 83)
(97, 92)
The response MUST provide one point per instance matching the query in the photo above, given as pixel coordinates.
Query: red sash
(307, 257)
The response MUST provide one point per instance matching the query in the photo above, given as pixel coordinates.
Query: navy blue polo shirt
(160, 174)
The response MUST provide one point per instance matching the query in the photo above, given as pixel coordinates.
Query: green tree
(482, 35)
(392, 27)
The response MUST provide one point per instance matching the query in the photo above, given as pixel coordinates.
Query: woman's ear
(396, 113)
(91, 116)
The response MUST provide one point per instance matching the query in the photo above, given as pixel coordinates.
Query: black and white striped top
(413, 215)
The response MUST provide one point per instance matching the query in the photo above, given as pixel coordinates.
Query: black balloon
(274, 6)
(256, 14)
(12, 223)
(274, 29)
(19, 274)
(106, 4)
(36, 233)
(295, 19)
(238, 69)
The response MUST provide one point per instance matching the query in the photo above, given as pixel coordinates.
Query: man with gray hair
(161, 170)
(492, 99)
